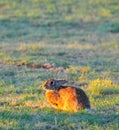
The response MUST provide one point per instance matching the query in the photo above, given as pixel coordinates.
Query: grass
(73, 40)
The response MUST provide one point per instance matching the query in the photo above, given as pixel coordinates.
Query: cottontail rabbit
(65, 97)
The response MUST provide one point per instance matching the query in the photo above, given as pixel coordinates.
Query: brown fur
(66, 98)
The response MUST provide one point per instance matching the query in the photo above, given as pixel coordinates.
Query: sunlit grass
(105, 13)
(105, 86)
(32, 47)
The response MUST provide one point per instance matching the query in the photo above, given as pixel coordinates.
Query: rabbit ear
(61, 82)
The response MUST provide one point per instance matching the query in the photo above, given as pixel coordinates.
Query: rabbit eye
(52, 82)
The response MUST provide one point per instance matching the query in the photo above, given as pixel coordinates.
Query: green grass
(80, 39)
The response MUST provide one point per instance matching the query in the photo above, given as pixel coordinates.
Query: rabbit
(65, 98)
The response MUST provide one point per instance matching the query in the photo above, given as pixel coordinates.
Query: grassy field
(73, 40)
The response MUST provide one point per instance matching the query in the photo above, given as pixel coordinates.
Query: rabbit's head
(53, 84)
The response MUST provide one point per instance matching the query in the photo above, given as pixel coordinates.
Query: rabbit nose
(43, 87)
